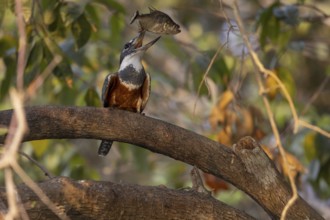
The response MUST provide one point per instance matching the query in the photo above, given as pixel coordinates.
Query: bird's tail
(104, 148)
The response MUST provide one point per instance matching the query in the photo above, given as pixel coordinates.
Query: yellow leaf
(39, 147)
(271, 87)
(310, 146)
(226, 98)
(218, 114)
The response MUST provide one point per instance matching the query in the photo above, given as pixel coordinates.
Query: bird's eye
(126, 46)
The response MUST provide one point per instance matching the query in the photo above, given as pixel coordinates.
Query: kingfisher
(129, 88)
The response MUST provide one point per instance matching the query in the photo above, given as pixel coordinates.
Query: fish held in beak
(156, 22)
(139, 40)
(148, 45)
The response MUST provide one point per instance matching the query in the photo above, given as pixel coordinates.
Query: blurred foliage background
(292, 38)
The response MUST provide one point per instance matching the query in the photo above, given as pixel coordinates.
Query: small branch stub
(256, 161)
(197, 182)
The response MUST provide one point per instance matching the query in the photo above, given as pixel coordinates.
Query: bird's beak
(145, 47)
(139, 42)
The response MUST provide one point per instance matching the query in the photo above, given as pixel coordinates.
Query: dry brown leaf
(295, 167)
(268, 151)
(235, 121)
(214, 183)
(226, 98)
(218, 114)
(224, 138)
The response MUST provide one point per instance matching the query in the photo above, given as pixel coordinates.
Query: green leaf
(92, 13)
(117, 24)
(270, 26)
(287, 79)
(3, 7)
(3, 130)
(112, 5)
(63, 70)
(40, 147)
(71, 11)
(221, 72)
(7, 42)
(55, 22)
(310, 149)
(11, 5)
(141, 159)
(92, 98)
(34, 62)
(171, 45)
(68, 92)
(198, 67)
(49, 4)
(10, 63)
(81, 30)
(26, 8)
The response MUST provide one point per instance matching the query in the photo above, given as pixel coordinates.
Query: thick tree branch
(106, 200)
(246, 166)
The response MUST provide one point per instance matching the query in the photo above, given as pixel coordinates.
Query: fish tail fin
(104, 148)
(136, 15)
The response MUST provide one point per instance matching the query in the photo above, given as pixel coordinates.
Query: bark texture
(105, 200)
(244, 165)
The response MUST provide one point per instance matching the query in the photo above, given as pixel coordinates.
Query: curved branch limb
(157, 136)
(106, 200)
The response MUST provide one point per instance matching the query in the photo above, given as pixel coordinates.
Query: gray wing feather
(107, 84)
(146, 91)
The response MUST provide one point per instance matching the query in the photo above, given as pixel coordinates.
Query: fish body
(156, 22)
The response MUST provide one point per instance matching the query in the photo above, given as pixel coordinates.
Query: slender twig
(316, 94)
(213, 58)
(190, 46)
(46, 172)
(224, 13)
(283, 89)
(21, 44)
(232, 27)
(313, 7)
(31, 90)
(207, 72)
(239, 77)
(209, 68)
(18, 125)
(314, 128)
(257, 63)
(16, 131)
(11, 195)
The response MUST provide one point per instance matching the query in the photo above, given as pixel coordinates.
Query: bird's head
(133, 50)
